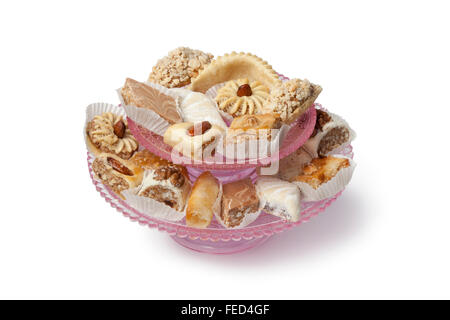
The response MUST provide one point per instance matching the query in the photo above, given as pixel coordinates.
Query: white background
(383, 65)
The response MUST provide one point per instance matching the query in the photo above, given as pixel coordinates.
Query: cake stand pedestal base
(219, 247)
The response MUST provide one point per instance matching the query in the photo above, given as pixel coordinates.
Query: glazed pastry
(251, 127)
(235, 66)
(194, 141)
(196, 107)
(145, 96)
(109, 133)
(163, 181)
(240, 204)
(240, 97)
(179, 66)
(293, 98)
(204, 201)
(280, 198)
(330, 133)
(292, 165)
(117, 173)
(321, 170)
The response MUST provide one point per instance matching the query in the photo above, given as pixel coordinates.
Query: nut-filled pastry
(117, 173)
(240, 204)
(204, 200)
(253, 127)
(280, 198)
(194, 140)
(330, 133)
(163, 181)
(109, 133)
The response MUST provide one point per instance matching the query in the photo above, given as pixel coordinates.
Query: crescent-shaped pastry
(204, 200)
(235, 66)
(109, 133)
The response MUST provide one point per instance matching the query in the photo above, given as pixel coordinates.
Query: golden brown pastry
(202, 201)
(179, 66)
(109, 133)
(240, 97)
(144, 96)
(321, 170)
(235, 66)
(117, 173)
(253, 127)
(293, 98)
(163, 181)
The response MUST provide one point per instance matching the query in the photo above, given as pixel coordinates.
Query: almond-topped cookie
(109, 133)
(240, 97)
(196, 141)
(179, 66)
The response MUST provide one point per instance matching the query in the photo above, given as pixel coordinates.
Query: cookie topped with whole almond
(109, 133)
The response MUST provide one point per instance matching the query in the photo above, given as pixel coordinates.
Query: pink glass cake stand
(216, 239)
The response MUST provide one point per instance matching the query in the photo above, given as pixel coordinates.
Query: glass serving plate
(215, 239)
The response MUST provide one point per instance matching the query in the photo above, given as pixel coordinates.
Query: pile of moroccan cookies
(198, 103)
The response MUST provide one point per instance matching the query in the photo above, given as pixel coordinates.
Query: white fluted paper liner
(248, 219)
(330, 188)
(212, 93)
(151, 207)
(146, 117)
(96, 109)
(217, 207)
(261, 148)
